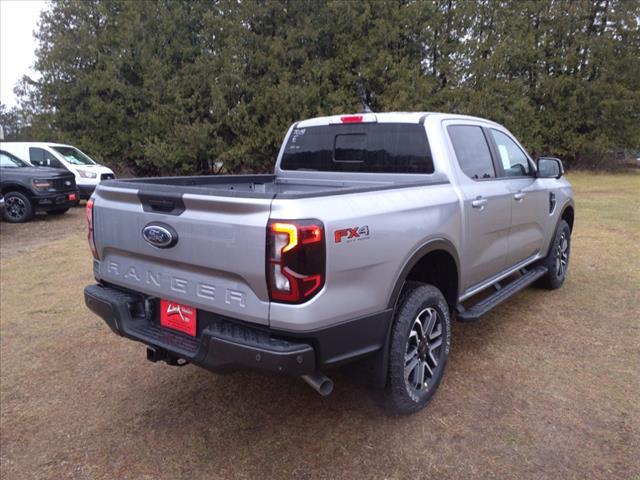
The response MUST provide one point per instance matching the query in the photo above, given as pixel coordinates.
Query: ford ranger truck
(373, 232)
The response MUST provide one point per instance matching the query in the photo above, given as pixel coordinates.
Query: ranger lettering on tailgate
(203, 290)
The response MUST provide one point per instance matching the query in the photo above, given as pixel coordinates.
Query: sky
(18, 20)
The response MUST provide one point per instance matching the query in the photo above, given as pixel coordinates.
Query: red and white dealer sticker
(177, 316)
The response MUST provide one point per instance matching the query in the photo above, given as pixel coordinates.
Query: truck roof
(385, 117)
(41, 144)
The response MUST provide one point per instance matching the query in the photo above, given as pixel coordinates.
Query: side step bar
(500, 295)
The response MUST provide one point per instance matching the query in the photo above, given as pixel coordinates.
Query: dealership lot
(545, 386)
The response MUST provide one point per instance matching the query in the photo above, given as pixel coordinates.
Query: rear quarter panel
(362, 272)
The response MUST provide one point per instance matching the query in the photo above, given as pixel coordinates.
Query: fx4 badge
(351, 234)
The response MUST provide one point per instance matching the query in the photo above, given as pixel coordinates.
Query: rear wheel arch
(374, 369)
(435, 263)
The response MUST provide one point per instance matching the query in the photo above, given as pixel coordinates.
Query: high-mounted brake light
(352, 119)
(90, 236)
(295, 260)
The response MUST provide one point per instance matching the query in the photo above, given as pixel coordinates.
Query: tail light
(295, 260)
(90, 238)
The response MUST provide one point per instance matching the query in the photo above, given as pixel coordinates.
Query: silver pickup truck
(373, 232)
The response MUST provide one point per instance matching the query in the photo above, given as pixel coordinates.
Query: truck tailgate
(217, 264)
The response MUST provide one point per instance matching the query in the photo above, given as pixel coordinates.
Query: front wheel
(557, 261)
(17, 207)
(420, 341)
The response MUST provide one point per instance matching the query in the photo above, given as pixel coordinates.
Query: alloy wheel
(562, 255)
(15, 207)
(424, 346)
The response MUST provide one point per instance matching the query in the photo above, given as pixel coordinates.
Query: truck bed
(261, 186)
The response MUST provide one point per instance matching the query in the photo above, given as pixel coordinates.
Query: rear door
(487, 203)
(530, 201)
(217, 263)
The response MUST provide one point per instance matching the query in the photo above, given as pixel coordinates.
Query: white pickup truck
(373, 232)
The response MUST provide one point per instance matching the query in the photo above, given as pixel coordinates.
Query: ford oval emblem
(160, 235)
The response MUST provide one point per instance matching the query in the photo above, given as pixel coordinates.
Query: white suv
(88, 173)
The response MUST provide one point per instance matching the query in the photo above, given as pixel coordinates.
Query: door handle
(479, 203)
(519, 196)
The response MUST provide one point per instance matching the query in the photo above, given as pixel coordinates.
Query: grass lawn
(545, 386)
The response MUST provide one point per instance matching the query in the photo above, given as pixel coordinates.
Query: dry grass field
(546, 386)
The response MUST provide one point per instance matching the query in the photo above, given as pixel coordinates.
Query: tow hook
(159, 355)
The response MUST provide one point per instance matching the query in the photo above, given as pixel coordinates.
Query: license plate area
(178, 317)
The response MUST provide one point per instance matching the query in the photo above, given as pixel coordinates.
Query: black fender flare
(373, 369)
(568, 204)
(416, 256)
(7, 187)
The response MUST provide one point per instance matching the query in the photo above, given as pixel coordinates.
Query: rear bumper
(224, 344)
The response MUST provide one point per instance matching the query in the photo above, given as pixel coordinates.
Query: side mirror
(549, 167)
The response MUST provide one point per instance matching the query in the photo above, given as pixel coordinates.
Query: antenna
(364, 96)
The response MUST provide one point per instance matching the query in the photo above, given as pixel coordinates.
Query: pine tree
(172, 87)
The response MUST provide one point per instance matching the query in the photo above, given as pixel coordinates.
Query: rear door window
(41, 158)
(364, 147)
(472, 151)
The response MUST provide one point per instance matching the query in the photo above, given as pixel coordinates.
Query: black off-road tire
(417, 305)
(58, 211)
(17, 207)
(557, 260)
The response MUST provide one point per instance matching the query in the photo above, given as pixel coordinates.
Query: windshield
(359, 147)
(74, 156)
(9, 161)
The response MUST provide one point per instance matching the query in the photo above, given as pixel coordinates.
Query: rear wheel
(420, 341)
(557, 261)
(17, 207)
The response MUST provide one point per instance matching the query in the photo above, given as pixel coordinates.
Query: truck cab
(87, 172)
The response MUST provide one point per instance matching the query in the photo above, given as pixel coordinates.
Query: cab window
(472, 151)
(41, 158)
(513, 159)
(10, 161)
(359, 147)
